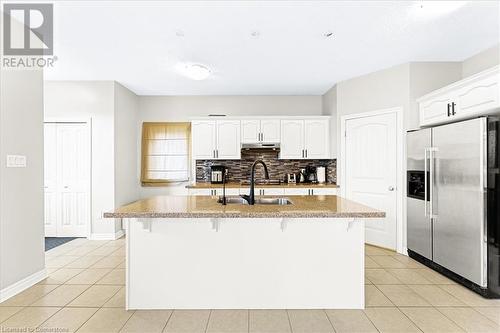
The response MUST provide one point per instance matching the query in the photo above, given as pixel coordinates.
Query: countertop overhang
(319, 206)
(243, 185)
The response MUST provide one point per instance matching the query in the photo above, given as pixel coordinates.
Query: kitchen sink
(258, 201)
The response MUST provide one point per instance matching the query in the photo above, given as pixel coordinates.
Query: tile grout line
(208, 321)
(289, 321)
(328, 318)
(168, 319)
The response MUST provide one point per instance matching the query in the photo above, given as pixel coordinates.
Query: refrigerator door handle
(426, 208)
(432, 150)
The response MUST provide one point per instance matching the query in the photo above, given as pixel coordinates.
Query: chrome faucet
(251, 198)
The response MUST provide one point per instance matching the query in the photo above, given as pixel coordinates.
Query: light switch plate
(16, 161)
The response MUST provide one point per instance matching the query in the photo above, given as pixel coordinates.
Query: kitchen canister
(321, 174)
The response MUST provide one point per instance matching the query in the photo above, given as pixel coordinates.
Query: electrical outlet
(16, 161)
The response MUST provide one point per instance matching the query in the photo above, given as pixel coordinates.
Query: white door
(292, 139)
(371, 172)
(50, 180)
(203, 139)
(73, 179)
(250, 131)
(228, 140)
(270, 130)
(67, 179)
(316, 138)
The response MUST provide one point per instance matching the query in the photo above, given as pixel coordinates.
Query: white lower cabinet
(310, 191)
(263, 191)
(213, 191)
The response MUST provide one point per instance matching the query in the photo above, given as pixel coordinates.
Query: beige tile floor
(85, 292)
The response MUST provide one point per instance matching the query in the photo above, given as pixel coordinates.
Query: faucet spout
(251, 198)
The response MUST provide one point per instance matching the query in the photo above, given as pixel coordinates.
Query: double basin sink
(258, 201)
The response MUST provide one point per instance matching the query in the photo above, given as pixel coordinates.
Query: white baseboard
(22, 285)
(107, 236)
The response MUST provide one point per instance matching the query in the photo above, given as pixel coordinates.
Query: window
(165, 153)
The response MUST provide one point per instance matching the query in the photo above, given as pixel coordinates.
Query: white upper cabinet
(254, 131)
(215, 139)
(203, 138)
(292, 139)
(474, 96)
(228, 140)
(317, 138)
(305, 139)
(270, 130)
(250, 131)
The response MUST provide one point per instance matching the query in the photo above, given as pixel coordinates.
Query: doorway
(371, 171)
(67, 179)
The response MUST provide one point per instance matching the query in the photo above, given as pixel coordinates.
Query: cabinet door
(435, 111)
(273, 191)
(324, 191)
(203, 139)
(229, 191)
(297, 191)
(250, 130)
(228, 140)
(270, 130)
(317, 138)
(201, 191)
(292, 139)
(477, 98)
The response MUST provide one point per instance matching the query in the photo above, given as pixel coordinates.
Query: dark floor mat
(52, 242)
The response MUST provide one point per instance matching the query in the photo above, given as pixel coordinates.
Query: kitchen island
(190, 252)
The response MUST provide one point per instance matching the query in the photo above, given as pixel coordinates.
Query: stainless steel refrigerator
(453, 201)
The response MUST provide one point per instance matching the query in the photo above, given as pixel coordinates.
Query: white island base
(245, 263)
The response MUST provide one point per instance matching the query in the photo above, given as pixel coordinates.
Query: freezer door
(419, 226)
(459, 198)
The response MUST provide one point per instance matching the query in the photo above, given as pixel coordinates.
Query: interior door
(270, 129)
(228, 140)
(203, 139)
(316, 138)
(50, 180)
(370, 172)
(73, 168)
(292, 139)
(458, 198)
(250, 131)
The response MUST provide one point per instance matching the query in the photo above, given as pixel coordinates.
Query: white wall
(481, 61)
(22, 250)
(126, 108)
(181, 108)
(85, 100)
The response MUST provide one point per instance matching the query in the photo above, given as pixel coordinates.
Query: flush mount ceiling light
(438, 8)
(328, 34)
(255, 33)
(196, 72)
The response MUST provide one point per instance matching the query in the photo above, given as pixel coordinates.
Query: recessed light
(179, 33)
(255, 34)
(438, 8)
(194, 71)
(328, 34)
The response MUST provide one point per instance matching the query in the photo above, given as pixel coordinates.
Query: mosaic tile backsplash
(240, 169)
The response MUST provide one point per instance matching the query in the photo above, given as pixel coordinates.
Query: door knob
(391, 188)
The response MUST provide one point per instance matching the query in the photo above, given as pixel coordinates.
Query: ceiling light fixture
(328, 34)
(196, 72)
(255, 34)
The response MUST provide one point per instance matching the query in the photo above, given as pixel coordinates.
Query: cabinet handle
(261, 136)
(302, 153)
(312, 191)
(306, 153)
(453, 108)
(448, 109)
(213, 153)
(217, 153)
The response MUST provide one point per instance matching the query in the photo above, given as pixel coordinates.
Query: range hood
(260, 145)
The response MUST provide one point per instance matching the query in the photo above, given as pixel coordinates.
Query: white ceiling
(136, 42)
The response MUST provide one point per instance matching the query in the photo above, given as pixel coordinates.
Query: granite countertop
(240, 185)
(319, 206)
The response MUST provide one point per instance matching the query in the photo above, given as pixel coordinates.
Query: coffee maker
(217, 172)
(311, 176)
